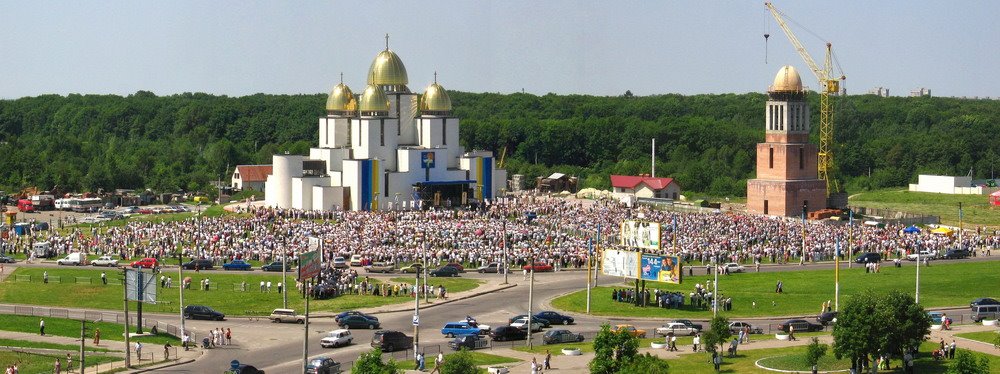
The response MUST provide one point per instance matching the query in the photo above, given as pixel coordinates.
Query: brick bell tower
(787, 172)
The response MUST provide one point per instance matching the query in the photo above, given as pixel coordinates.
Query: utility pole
(531, 292)
(850, 238)
(180, 278)
(305, 335)
(284, 281)
(836, 276)
(83, 342)
(916, 298)
(715, 286)
(416, 314)
(128, 356)
(590, 254)
(503, 267)
(961, 244)
(802, 254)
(423, 269)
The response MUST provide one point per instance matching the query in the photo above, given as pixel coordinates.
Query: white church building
(387, 149)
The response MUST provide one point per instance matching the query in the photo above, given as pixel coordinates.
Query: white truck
(75, 258)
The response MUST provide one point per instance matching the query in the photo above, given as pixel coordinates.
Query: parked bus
(87, 204)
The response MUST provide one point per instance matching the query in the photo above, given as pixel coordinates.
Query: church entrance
(444, 194)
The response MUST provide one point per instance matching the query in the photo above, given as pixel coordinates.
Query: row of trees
(707, 142)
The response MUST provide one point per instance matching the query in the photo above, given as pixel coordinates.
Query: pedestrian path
(974, 345)
(178, 355)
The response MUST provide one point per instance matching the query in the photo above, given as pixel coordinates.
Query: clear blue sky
(588, 47)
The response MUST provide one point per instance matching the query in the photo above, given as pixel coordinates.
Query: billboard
(639, 234)
(309, 265)
(620, 263)
(140, 286)
(660, 268)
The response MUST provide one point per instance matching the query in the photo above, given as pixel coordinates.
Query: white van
(71, 259)
(356, 260)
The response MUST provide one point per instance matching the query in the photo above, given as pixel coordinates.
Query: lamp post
(531, 293)
(715, 286)
(180, 277)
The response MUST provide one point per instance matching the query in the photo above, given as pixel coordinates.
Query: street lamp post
(284, 282)
(715, 286)
(180, 277)
(531, 293)
(416, 313)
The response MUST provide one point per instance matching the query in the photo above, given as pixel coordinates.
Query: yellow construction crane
(829, 86)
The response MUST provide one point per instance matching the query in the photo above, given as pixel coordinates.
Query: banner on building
(661, 268)
(140, 286)
(640, 234)
(617, 263)
(309, 265)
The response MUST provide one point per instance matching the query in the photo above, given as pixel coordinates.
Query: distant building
(557, 182)
(950, 185)
(250, 177)
(879, 91)
(645, 187)
(921, 92)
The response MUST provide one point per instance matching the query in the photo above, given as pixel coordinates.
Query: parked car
(201, 263)
(236, 265)
(924, 254)
(629, 329)
(688, 323)
(981, 312)
(340, 263)
(953, 254)
(733, 267)
(868, 257)
(323, 365)
(507, 332)
(274, 266)
(444, 271)
(543, 321)
(472, 341)
(539, 267)
(826, 318)
(522, 323)
(202, 312)
(736, 326)
(389, 340)
(74, 259)
(4, 259)
(937, 318)
(675, 329)
(457, 266)
(353, 313)
(493, 267)
(561, 336)
(554, 318)
(336, 338)
(800, 325)
(358, 322)
(105, 261)
(355, 260)
(453, 329)
(286, 315)
(380, 267)
(983, 301)
(412, 268)
(148, 263)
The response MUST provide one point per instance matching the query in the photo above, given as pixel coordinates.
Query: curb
(444, 302)
(177, 363)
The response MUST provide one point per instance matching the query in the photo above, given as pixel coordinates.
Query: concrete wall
(278, 188)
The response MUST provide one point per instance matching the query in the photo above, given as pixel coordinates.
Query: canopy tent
(942, 231)
(995, 198)
(911, 230)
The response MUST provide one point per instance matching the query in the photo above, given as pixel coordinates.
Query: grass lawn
(478, 358)
(975, 208)
(683, 343)
(71, 328)
(39, 363)
(43, 345)
(797, 361)
(989, 337)
(223, 296)
(945, 283)
(451, 285)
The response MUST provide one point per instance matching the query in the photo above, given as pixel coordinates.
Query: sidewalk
(964, 343)
(408, 306)
(117, 347)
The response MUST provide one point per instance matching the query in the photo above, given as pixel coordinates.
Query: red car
(458, 266)
(148, 262)
(539, 267)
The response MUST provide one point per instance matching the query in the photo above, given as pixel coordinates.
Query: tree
(645, 364)
(815, 351)
(717, 335)
(371, 363)
(903, 325)
(612, 350)
(966, 363)
(459, 363)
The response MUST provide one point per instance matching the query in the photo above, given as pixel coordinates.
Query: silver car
(561, 336)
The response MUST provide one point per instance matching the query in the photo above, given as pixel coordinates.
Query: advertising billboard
(661, 268)
(140, 286)
(309, 265)
(640, 234)
(617, 263)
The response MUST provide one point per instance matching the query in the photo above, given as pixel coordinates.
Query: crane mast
(828, 86)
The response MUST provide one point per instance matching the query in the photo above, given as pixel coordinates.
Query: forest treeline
(706, 142)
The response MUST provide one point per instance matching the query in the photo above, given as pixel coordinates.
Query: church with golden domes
(388, 148)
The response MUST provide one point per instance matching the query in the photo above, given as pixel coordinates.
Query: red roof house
(250, 177)
(645, 186)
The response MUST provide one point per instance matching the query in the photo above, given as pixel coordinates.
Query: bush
(459, 363)
(371, 363)
(815, 351)
(966, 363)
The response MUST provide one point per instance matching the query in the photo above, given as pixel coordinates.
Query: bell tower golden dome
(388, 72)
(787, 80)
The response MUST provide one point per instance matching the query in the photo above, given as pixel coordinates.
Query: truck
(43, 202)
(43, 250)
(25, 205)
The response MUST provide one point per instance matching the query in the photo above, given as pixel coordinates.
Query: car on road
(353, 313)
(340, 263)
(453, 329)
(236, 265)
(202, 312)
(800, 325)
(981, 312)
(688, 323)
(554, 318)
(444, 271)
(380, 267)
(629, 329)
(389, 340)
(412, 268)
(74, 259)
(869, 257)
(937, 318)
(471, 341)
(274, 266)
(538, 267)
(733, 267)
(4, 259)
(736, 326)
(924, 254)
(826, 318)
(358, 322)
(322, 365)
(561, 336)
(105, 261)
(493, 267)
(983, 301)
(336, 338)
(954, 254)
(543, 321)
(286, 315)
(522, 323)
(238, 368)
(356, 260)
(457, 266)
(507, 332)
(200, 264)
(674, 328)
(148, 263)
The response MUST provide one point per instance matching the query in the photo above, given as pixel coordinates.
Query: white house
(645, 187)
(250, 177)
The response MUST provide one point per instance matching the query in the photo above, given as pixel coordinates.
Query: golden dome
(387, 70)
(435, 100)
(374, 100)
(787, 80)
(341, 100)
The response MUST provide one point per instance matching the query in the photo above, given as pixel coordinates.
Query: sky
(240, 48)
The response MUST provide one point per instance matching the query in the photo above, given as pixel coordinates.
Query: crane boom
(821, 75)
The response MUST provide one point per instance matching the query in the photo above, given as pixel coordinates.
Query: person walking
(138, 350)
(548, 360)
(45, 276)
(229, 336)
(696, 341)
(185, 340)
(534, 366)
(58, 367)
(104, 278)
(420, 361)
(41, 327)
(791, 333)
(97, 336)
(673, 342)
(951, 349)
(166, 351)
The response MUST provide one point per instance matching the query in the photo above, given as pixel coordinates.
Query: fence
(110, 317)
(897, 217)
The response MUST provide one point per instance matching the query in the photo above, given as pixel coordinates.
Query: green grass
(942, 284)
(44, 345)
(71, 328)
(222, 296)
(988, 337)
(478, 358)
(37, 363)
(451, 285)
(797, 361)
(976, 208)
(683, 343)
